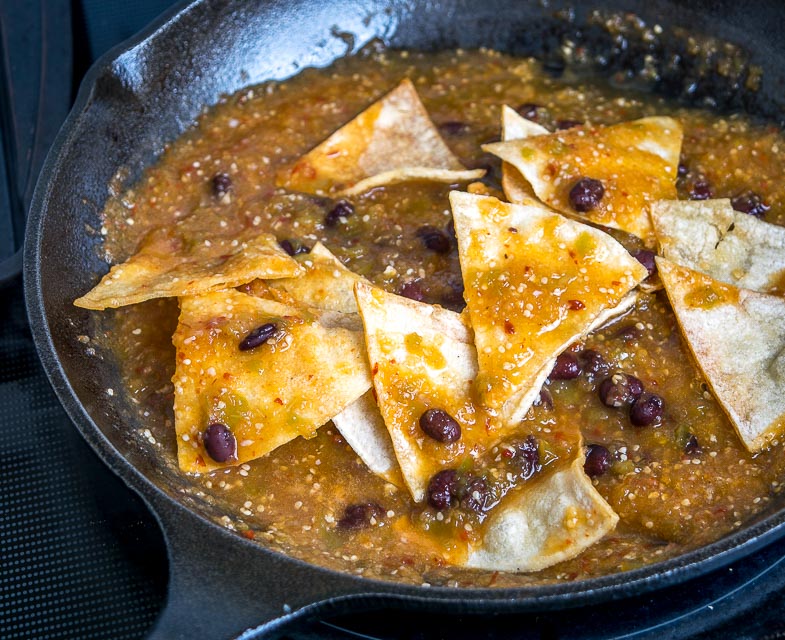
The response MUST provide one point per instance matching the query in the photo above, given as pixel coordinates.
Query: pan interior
(151, 93)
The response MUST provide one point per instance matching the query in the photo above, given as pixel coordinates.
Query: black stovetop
(82, 557)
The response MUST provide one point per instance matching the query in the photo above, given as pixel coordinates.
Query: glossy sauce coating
(682, 482)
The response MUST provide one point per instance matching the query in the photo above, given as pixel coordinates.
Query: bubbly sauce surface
(680, 483)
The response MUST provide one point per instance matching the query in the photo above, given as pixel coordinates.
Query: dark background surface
(82, 557)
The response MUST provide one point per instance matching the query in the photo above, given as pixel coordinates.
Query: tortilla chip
(635, 161)
(730, 246)
(393, 140)
(547, 521)
(422, 357)
(738, 339)
(535, 282)
(325, 284)
(362, 425)
(308, 372)
(516, 127)
(169, 264)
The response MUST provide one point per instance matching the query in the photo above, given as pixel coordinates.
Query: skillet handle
(221, 585)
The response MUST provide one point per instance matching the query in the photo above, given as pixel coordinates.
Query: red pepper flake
(200, 461)
(509, 327)
(305, 169)
(512, 230)
(278, 401)
(575, 305)
(248, 533)
(375, 369)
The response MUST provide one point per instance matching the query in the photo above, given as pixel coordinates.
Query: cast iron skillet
(147, 92)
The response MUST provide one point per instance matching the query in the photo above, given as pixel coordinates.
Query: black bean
(493, 172)
(620, 389)
(546, 399)
(434, 239)
(294, 247)
(221, 184)
(701, 189)
(693, 447)
(646, 258)
(476, 495)
(628, 333)
(598, 460)
(586, 194)
(219, 442)
(440, 425)
(528, 110)
(646, 410)
(443, 489)
(751, 203)
(258, 336)
(412, 289)
(358, 516)
(342, 209)
(682, 169)
(528, 456)
(568, 124)
(449, 229)
(593, 363)
(453, 128)
(452, 297)
(567, 367)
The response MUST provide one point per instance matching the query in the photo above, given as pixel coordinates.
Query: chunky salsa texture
(673, 469)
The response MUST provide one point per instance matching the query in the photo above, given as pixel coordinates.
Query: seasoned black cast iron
(137, 98)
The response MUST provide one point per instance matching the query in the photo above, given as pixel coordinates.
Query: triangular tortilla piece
(422, 357)
(328, 284)
(169, 264)
(737, 337)
(393, 140)
(362, 425)
(734, 247)
(310, 371)
(516, 127)
(325, 284)
(535, 282)
(635, 161)
(546, 521)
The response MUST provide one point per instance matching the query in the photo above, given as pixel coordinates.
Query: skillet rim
(614, 586)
